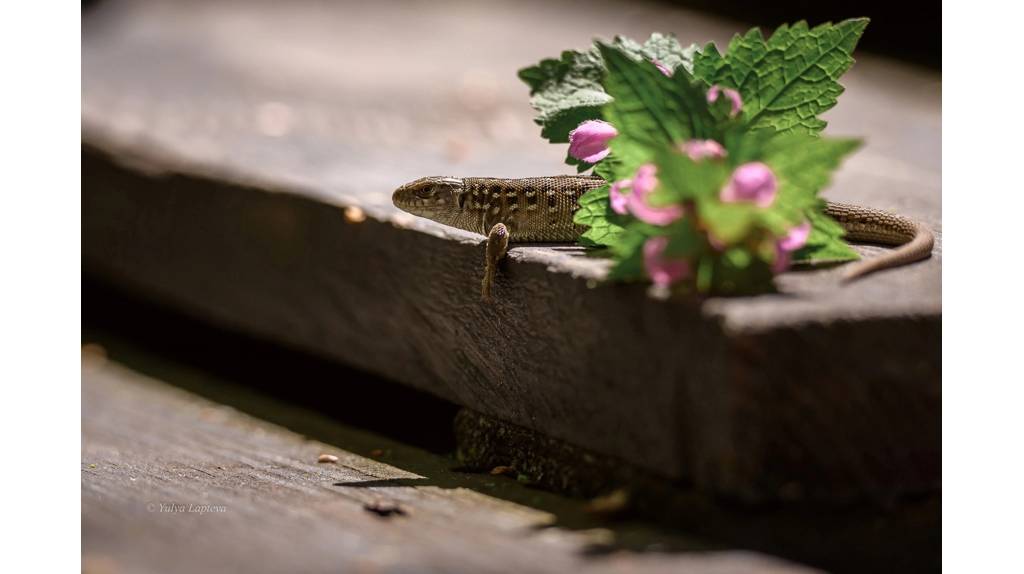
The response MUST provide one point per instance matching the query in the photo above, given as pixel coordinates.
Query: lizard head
(433, 197)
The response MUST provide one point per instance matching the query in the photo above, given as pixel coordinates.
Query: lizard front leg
(497, 247)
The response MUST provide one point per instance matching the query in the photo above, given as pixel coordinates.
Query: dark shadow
(413, 431)
(387, 482)
(910, 32)
(301, 378)
(328, 402)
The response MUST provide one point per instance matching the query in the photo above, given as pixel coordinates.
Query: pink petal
(662, 67)
(615, 196)
(732, 95)
(796, 237)
(643, 211)
(782, 259)
(751, 182)
(645, 179)
(589, 141)
(663, 272)
(701, 149)
(644, 182)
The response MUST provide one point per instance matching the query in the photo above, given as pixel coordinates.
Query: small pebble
(354, 214)
(611, 503)
(327, 458)
(386, 508)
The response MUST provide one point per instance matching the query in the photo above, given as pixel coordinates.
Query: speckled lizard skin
(540, 209)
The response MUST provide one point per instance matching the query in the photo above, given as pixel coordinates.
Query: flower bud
(702, 149)
(732, 95)
(662, 67)
(589, 141)
(751, 182)
(662, 271)
(644, 182)
(784, 248)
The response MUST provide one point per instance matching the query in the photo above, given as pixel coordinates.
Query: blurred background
(313, 91)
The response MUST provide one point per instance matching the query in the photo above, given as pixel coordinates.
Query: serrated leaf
(707, 63)
(650, 107)
(567, 91)
(667, 50)
(804, 164)
(595, 212)
(787, 81)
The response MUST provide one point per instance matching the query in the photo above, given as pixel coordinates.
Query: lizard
(541, 209)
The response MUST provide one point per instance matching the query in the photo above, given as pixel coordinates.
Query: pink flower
(644, 182)
(784, 248)
(616, 197)
(664, 69)
(732, 95)
(640, 187)
(700, 149)
(662, 271)
(589, 141)
(752, 182)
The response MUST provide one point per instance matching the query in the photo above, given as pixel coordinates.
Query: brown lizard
(540, 209)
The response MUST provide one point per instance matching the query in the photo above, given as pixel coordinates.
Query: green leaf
(567, 91)
(825, 243)
(683, 179)
(664, 48)
(804, 165)
(650, 107)
(728, 222)
(787, 81)
(596, 212)
(606, 168)
(627, 155)
(738, 272)
(707, 62)
(629, 259)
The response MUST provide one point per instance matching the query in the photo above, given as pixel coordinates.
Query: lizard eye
(425, 192)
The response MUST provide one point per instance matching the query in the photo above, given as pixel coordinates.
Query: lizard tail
(914, 240)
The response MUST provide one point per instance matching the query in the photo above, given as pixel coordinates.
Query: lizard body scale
(540, 209)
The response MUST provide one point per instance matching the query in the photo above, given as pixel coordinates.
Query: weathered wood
(175, 483)
(241, 161)
(903, 537)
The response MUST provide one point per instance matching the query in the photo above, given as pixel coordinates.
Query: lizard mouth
(427, 195)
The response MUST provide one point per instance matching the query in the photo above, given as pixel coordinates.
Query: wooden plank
(175, 483)
(833, 390)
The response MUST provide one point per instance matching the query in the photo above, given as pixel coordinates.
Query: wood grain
(175, 483)
(217, 171)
